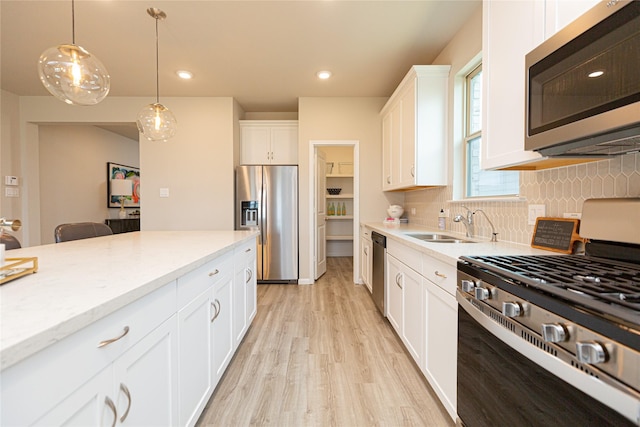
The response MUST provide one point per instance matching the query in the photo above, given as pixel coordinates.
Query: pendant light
(155, 121)
(70, 73)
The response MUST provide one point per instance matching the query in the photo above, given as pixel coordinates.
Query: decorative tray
(17, 267)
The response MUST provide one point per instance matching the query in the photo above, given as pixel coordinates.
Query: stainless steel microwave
(583, 85)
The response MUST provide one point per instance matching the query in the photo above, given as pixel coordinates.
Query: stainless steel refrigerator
(267, 199)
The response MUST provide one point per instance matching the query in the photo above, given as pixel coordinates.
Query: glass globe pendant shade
(73, 75)
(156, 122)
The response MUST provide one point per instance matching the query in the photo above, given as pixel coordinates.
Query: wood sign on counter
(556, 234)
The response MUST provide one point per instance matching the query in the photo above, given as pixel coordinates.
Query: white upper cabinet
(268, 142)
(414, 124)
(510, 30)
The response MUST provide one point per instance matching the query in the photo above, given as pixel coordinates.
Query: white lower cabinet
(122, 367)
(366, 257)
(244, 290)
(394, 293)
(422, 308)
(441, 334)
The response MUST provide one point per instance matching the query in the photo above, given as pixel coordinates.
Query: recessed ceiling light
(324, 75)
(596, 74)
(183, 74)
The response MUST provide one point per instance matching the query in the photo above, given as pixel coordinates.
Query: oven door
(504, 380)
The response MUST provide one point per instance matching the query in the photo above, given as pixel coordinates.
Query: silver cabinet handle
(112, 340)
(444, 276)
(250, 275)
(216, 309)
(365, 251)
(213, 273)
(388, 180)
(125, 390)
(398, 277)
(111, 406)
(413, 171)
(248, 250)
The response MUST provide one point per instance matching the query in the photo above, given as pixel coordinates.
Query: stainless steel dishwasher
(379, 261)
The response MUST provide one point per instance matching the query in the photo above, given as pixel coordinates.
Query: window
(481, 183)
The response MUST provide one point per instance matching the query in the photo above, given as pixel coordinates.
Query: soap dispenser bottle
(442, 220)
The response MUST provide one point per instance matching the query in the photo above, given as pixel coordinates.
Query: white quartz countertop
(82, 281)
(450, 252)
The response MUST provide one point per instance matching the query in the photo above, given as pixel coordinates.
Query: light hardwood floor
(321, 355)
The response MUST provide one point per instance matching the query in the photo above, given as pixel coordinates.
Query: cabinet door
(365, 262)
(408, 137)
(239, 305)
(146, 379)
(396, 145)
(559, 13)
(251, 282)
(394, 293)
(413, 314)
(195, 384)
(284, 145)
(441, 344)
(510, 30)
(386, 151)
(221, 329)
(90, 405)
(255, 145)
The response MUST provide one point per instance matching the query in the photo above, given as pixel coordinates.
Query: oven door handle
(625, 402)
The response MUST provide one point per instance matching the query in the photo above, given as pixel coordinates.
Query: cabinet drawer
(35, 385)
(365, 232)
(243, 254)
(440, 273)
(202, 278)
(408, 256)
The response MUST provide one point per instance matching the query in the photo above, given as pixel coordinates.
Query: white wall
(73, 177)
(196, 165)
(341, 119)
(10, 154)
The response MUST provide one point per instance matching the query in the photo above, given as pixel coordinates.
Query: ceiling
(265, 54)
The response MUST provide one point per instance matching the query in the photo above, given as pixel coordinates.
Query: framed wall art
(117, 171)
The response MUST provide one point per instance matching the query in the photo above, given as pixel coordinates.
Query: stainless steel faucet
(494, 235)
(468, 221)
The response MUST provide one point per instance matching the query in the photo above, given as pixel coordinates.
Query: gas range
(576, 316)
(595, 292)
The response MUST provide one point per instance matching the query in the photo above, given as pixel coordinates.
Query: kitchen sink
(438, 238)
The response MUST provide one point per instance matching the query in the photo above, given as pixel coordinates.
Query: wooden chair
(81, 230)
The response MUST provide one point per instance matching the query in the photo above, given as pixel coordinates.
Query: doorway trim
(355, 144)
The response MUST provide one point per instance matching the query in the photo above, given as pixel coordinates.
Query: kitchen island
(72, 333)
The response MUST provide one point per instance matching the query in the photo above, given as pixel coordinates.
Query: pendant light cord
(73, 22)
(157, 66)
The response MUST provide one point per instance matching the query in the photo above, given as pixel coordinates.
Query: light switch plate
(536, 211)
(10, 180)
(164, 192)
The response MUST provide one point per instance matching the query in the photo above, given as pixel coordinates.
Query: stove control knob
(482, 293)
(511, 309)
(467, 285)
(554, 332)
(591, 352)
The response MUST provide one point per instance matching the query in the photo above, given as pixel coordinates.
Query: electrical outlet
(536, 211)
(574, 215)
(164, 192)
(11, 192)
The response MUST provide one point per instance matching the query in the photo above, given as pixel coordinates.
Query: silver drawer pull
(444, 276)
(125, 390)
(248, 250)
(250, 275)
(216, 308)
(112, 340)
(213, 273)
(111, 406)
